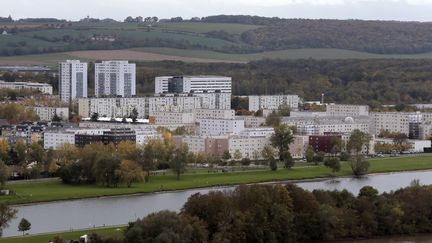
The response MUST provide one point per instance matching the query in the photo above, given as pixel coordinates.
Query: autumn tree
(333, 163)
(4, 151)
(130, 172)
(268, 154)
(21, 150)
(4, 173)
(36, 152)
(127, 150)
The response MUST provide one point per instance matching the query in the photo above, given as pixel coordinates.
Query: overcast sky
(417, 10)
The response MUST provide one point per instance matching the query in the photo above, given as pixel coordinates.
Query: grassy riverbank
(74, 235)
(55, 190)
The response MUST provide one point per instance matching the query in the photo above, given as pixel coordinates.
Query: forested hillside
(369, 36)
(348, 81)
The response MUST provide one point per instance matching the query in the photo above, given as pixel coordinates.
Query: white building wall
(46, 113)
(247, 145)
(115, 78)
(396, 122)
(112, 107)
(161, 84)
(347, 110)
(165, 117)
(214, 113)
(273, 102)
(215, 127)
(55, 139)
(72, 80)
(42, 87)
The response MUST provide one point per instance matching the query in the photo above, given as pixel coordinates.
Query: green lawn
(48, 191)
(43, 238)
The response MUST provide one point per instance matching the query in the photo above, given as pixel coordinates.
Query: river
(109, 211)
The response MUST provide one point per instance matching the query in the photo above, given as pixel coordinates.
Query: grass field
(43, 238)
(48, 191)
(161, 54)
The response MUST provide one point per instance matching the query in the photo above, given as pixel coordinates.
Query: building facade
(192, 84)
(217, 127)
(347, 110)
(46, 113)
(115, 78)
(273, 102)
(72, 80)
(42, 87)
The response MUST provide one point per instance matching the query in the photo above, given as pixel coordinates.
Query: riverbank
(55, 190)
(67, 235)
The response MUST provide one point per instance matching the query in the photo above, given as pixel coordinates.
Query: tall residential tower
(115, 78)
(72, 80)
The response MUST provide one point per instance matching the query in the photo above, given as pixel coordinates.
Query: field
(42, 238)
(203, 56)
(187, 41)
(53, 190)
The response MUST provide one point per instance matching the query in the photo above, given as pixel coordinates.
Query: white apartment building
(216, 100)
(252, 121)
(143, 136)
(174, 103)
(193, 84)
(112, 107)
(46, 113)
(416, 146)
(395, 122)
(72, 80)
(347, 110)
(42, 87)
(248, 146)
(273, 102)
(216, 127)
(257, 132)
(55, 139)
(167, 117)
(214, 113)
(345, 127)
(298, 147)
(115, 78)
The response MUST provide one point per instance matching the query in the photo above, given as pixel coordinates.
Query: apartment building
(72, 80)
(217, 100)
(298, 147)
(273, 102)
(115, 78)
(174, 102)
(214, 114)
(46, 113)
(339, 127)
(112, 107)
(167, 117)
(217, 127)
(347, 110)
(54, 139)
(193, 84)
(395, 122)
(41, 87)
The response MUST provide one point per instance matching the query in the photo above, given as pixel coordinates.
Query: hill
(237, 38)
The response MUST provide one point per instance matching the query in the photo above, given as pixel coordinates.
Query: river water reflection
(108, 211)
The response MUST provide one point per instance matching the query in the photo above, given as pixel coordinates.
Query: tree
(245, 161)
(20, 149)
(36, 152)
(24, 225)
(357, 141)
(134, 115)
(4, 151)
(273, 119)
(4, 173)
(400, 141)
(105, 170)
(94, 117)
(129, 172)
(237, 155)
(179, 160)
(288, 160)
(256, 155)
(166, 226)
(336, 144)
(226, 155)
(359, 165)
(319, 157)
(333, 163)
(281, 139)
(56, 118)
(6, 214)
(127, 150)
(310, 154)
(268, 154)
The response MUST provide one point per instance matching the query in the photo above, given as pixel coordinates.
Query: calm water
(79, 214)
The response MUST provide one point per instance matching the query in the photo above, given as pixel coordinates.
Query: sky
(404, 10)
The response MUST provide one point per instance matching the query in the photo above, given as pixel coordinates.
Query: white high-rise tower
(72, 80)
(115, 78)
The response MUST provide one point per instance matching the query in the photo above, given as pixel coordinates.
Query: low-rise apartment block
(217, 127)
(42, 87)
(46, 113)
(273, 102)
(347, 110)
